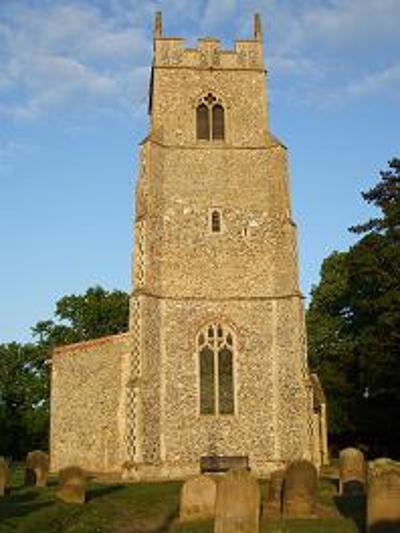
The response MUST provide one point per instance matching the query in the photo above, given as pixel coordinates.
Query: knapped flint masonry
(214, 363)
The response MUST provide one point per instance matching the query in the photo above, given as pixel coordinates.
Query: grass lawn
(134, 508)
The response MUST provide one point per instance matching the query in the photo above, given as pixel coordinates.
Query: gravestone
(36, 468)
(352, 471)
(300, 487)
(272, 506)
(383, 501)
(238, 503)
(3, 476)
(72, 485)
(198, 497)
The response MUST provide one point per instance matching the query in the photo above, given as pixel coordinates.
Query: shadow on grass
(17, 509)
(19, 497)
(385, 526)
(352, 505)
(206, 526)
(103, 490)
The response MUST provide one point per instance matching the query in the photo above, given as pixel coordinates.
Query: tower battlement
(208, 54)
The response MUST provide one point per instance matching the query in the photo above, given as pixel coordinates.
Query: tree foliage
(24, 393)
(97, 313)
(24, 369)
(354, 325)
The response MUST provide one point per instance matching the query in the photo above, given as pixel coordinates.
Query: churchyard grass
(112, 508)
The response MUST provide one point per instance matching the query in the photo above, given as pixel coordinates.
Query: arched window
(203, 122)
(215, 221)
(218, 126)
(210, 119)
(215, 351)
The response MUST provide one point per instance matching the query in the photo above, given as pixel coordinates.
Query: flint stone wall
(87, 399)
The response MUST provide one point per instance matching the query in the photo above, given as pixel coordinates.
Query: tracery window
(210, 118)
(216, 349)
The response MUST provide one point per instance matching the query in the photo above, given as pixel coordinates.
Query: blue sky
(73, 93)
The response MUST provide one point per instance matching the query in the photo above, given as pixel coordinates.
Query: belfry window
(210, 119)
(215, 352)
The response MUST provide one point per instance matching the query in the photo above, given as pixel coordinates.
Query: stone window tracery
(210, 119)
(216, 348)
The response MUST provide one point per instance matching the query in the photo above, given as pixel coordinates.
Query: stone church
(213, 370)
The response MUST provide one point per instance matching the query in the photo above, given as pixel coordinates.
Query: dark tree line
(353, 328)
(25, 368)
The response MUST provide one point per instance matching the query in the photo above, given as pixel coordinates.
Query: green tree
(330, 344)
(97, 313)
(374, 275)
(24, 393)
(354, 325)
(24, 369)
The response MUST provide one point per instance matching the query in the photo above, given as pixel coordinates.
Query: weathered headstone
(3, 476)
(72, 485)
(198, 496)
(352, 471)
(238, 503)
(300, 487)
(37, 468)
(272, 506)
(383, 505)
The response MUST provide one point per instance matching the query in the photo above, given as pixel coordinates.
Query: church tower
(213, 370)
(218, 369)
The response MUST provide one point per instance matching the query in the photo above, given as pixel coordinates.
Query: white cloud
(331, 51)
(377, 82)
(62, 53)
(345, 23)
(91, 52)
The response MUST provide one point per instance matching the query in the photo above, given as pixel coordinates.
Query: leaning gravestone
(272, 506)
(352, 471)
(72, 485)
(238, 503)
(3, 476)
(37, 468)
(198, 497)
(383, 505)
(300, 487)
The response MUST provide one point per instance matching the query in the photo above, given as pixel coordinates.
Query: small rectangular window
(215, 221)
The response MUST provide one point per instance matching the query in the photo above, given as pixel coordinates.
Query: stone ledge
(89, 344)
